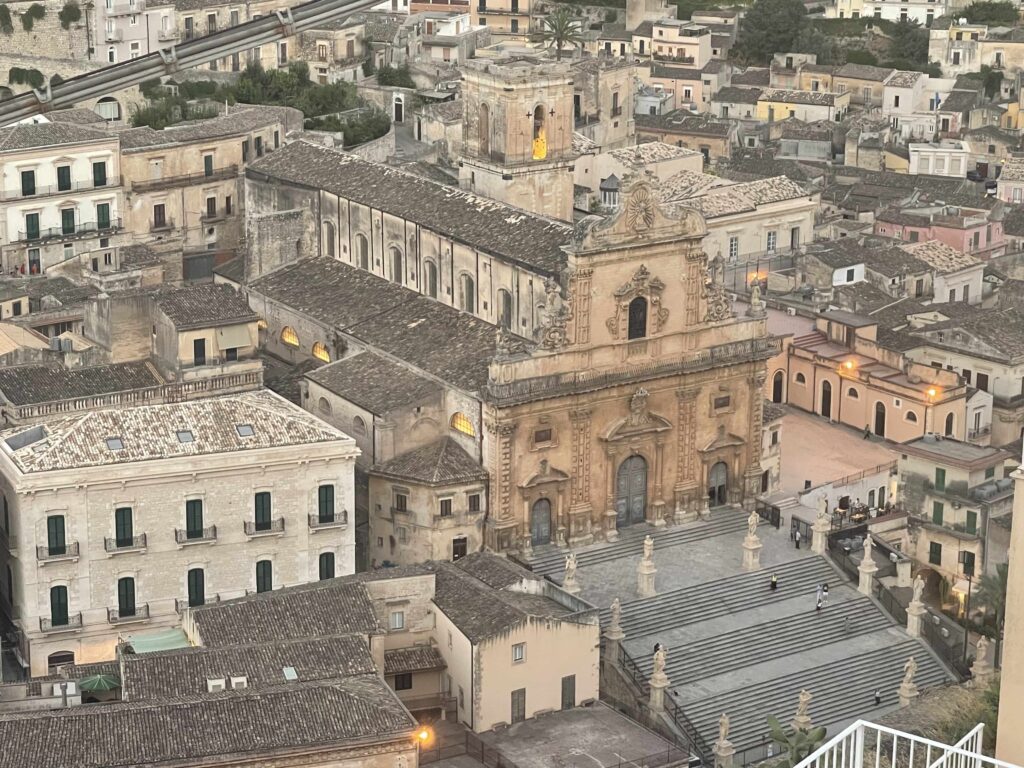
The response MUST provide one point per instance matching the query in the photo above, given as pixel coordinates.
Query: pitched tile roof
(733, 95)
(680, 121)
(190, 730)
(495, 572)
(417, 658)
(332, 607)
(753, 76)
(995, 333)
(150, 432)
(864, 72)
(25, 384)
(1013, 169)
(241, 119)
(642, 155)
(32, 135)
(439, 463)
(787, 96)
(492, 227)
(374, 382)
(904, 79)
(940, 256)
(184, 672)
(205, 305)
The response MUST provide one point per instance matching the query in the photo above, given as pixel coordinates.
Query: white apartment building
(921, 11)
(947, 158)
(909, 102)
(121, 29)
(60, 194)
(117, 520)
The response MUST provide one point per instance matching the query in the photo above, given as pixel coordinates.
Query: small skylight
(185, 436)
(244, 430)
(115, 444)
(290, 674)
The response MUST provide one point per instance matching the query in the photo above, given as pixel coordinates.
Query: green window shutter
(55, 541)
(937, 509)
(123, 528)
(326, 503)
(59, 606)
(196, 587)
(972, 521)
(262, 512)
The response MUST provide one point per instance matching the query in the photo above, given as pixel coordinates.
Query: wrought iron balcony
(67, 551)
(167, 34)
(114, 35)
(336, 520)
(20, 193)
(252, 528)
(72, 622)
(181, 604)
(188, 179)
(138, 613)
(127, 9)
(125, 545)
(79, 228)
(163, 225)
(195, 535)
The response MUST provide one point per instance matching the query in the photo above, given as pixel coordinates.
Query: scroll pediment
(723, 440)
(547, 474)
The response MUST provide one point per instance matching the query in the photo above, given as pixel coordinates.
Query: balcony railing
(195, 536)
(125, 545)
(20, 193)
(164, 225)
(215, 215)
(126, 9)
(139, 613)
(252, 528)
(674, 59)
(80, 228)
(73, 622)
(181, 604)
(980, 432)
(337, 520)
(403, 511)
(167, 182)
(167, 34)
(113, 35)
(865, 743)
(66, 552)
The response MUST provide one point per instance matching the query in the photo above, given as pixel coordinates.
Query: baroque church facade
(642, 401)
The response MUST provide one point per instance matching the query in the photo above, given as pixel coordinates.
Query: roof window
(244, 430)
(115, 443)
(185, 436)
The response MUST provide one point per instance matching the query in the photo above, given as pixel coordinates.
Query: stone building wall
(47, 34)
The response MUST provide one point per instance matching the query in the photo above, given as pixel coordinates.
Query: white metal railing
(867, 745)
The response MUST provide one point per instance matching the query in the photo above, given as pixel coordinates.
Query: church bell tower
(517, 133)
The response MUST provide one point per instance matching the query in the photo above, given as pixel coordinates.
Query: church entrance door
(718, 482)
(631, 491)
(540, 522)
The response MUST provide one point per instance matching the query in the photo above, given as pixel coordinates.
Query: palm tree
(560, 29)
(796, 744)
(991, 593)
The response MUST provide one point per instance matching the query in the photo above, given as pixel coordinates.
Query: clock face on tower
(640, 210)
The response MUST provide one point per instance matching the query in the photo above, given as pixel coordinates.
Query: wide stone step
(753, 644)
(842, 691)
(732, 594)
(550, 560)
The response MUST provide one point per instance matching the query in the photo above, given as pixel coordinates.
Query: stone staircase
(732, 594)
(752, 644)
(843, 691)
(549, 560)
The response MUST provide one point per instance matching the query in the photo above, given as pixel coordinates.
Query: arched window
(397, 263)
(637, 318)
(326, 565)
(289, 336)
(871, 498)
(320, 351)
(800, 379)
(460, 423)
(430, 276)
(264, 576)
(540, 141)
(329, 237)
(467, 294)
(359, 426)
(126, 596)
(483, 128)
(504, 309)
(323, 406)
(949, 425)
(911, 417)
(852, 394)
(362, 252)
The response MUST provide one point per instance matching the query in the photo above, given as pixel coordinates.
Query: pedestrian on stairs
(818, 606)
(847, 625)
(878, 697)
(796, 538)
(824, 593)
(867, 431)
(774, 582)
(820, 594)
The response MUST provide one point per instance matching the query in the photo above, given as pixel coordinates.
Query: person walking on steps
(774, 583)
(796, 538)
(824, 594)
(878, 697)
(867, 431)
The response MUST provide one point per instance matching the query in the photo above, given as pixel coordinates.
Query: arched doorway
(777, 382)
(399, 108)
(631, 491)
(949, 425)
(880, 419)
(826, 399)
(59, 659)
(540, 522)
(718, 484)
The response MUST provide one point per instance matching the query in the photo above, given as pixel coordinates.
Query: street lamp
(968, 569)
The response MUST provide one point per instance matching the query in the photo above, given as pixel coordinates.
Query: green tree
(797, 744)
(991, 591)
(992, 12)
(398, 77)
(69, 14)
(813, 40)
(770, 27)
(861, 56)
(561, 30)
(909, 41)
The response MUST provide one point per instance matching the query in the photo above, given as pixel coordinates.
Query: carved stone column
(580, 291)
(752, 476)
(658, 507)
(502, 459)
(693, 279)
(611, 530)
(686, 454)
(580, 507)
